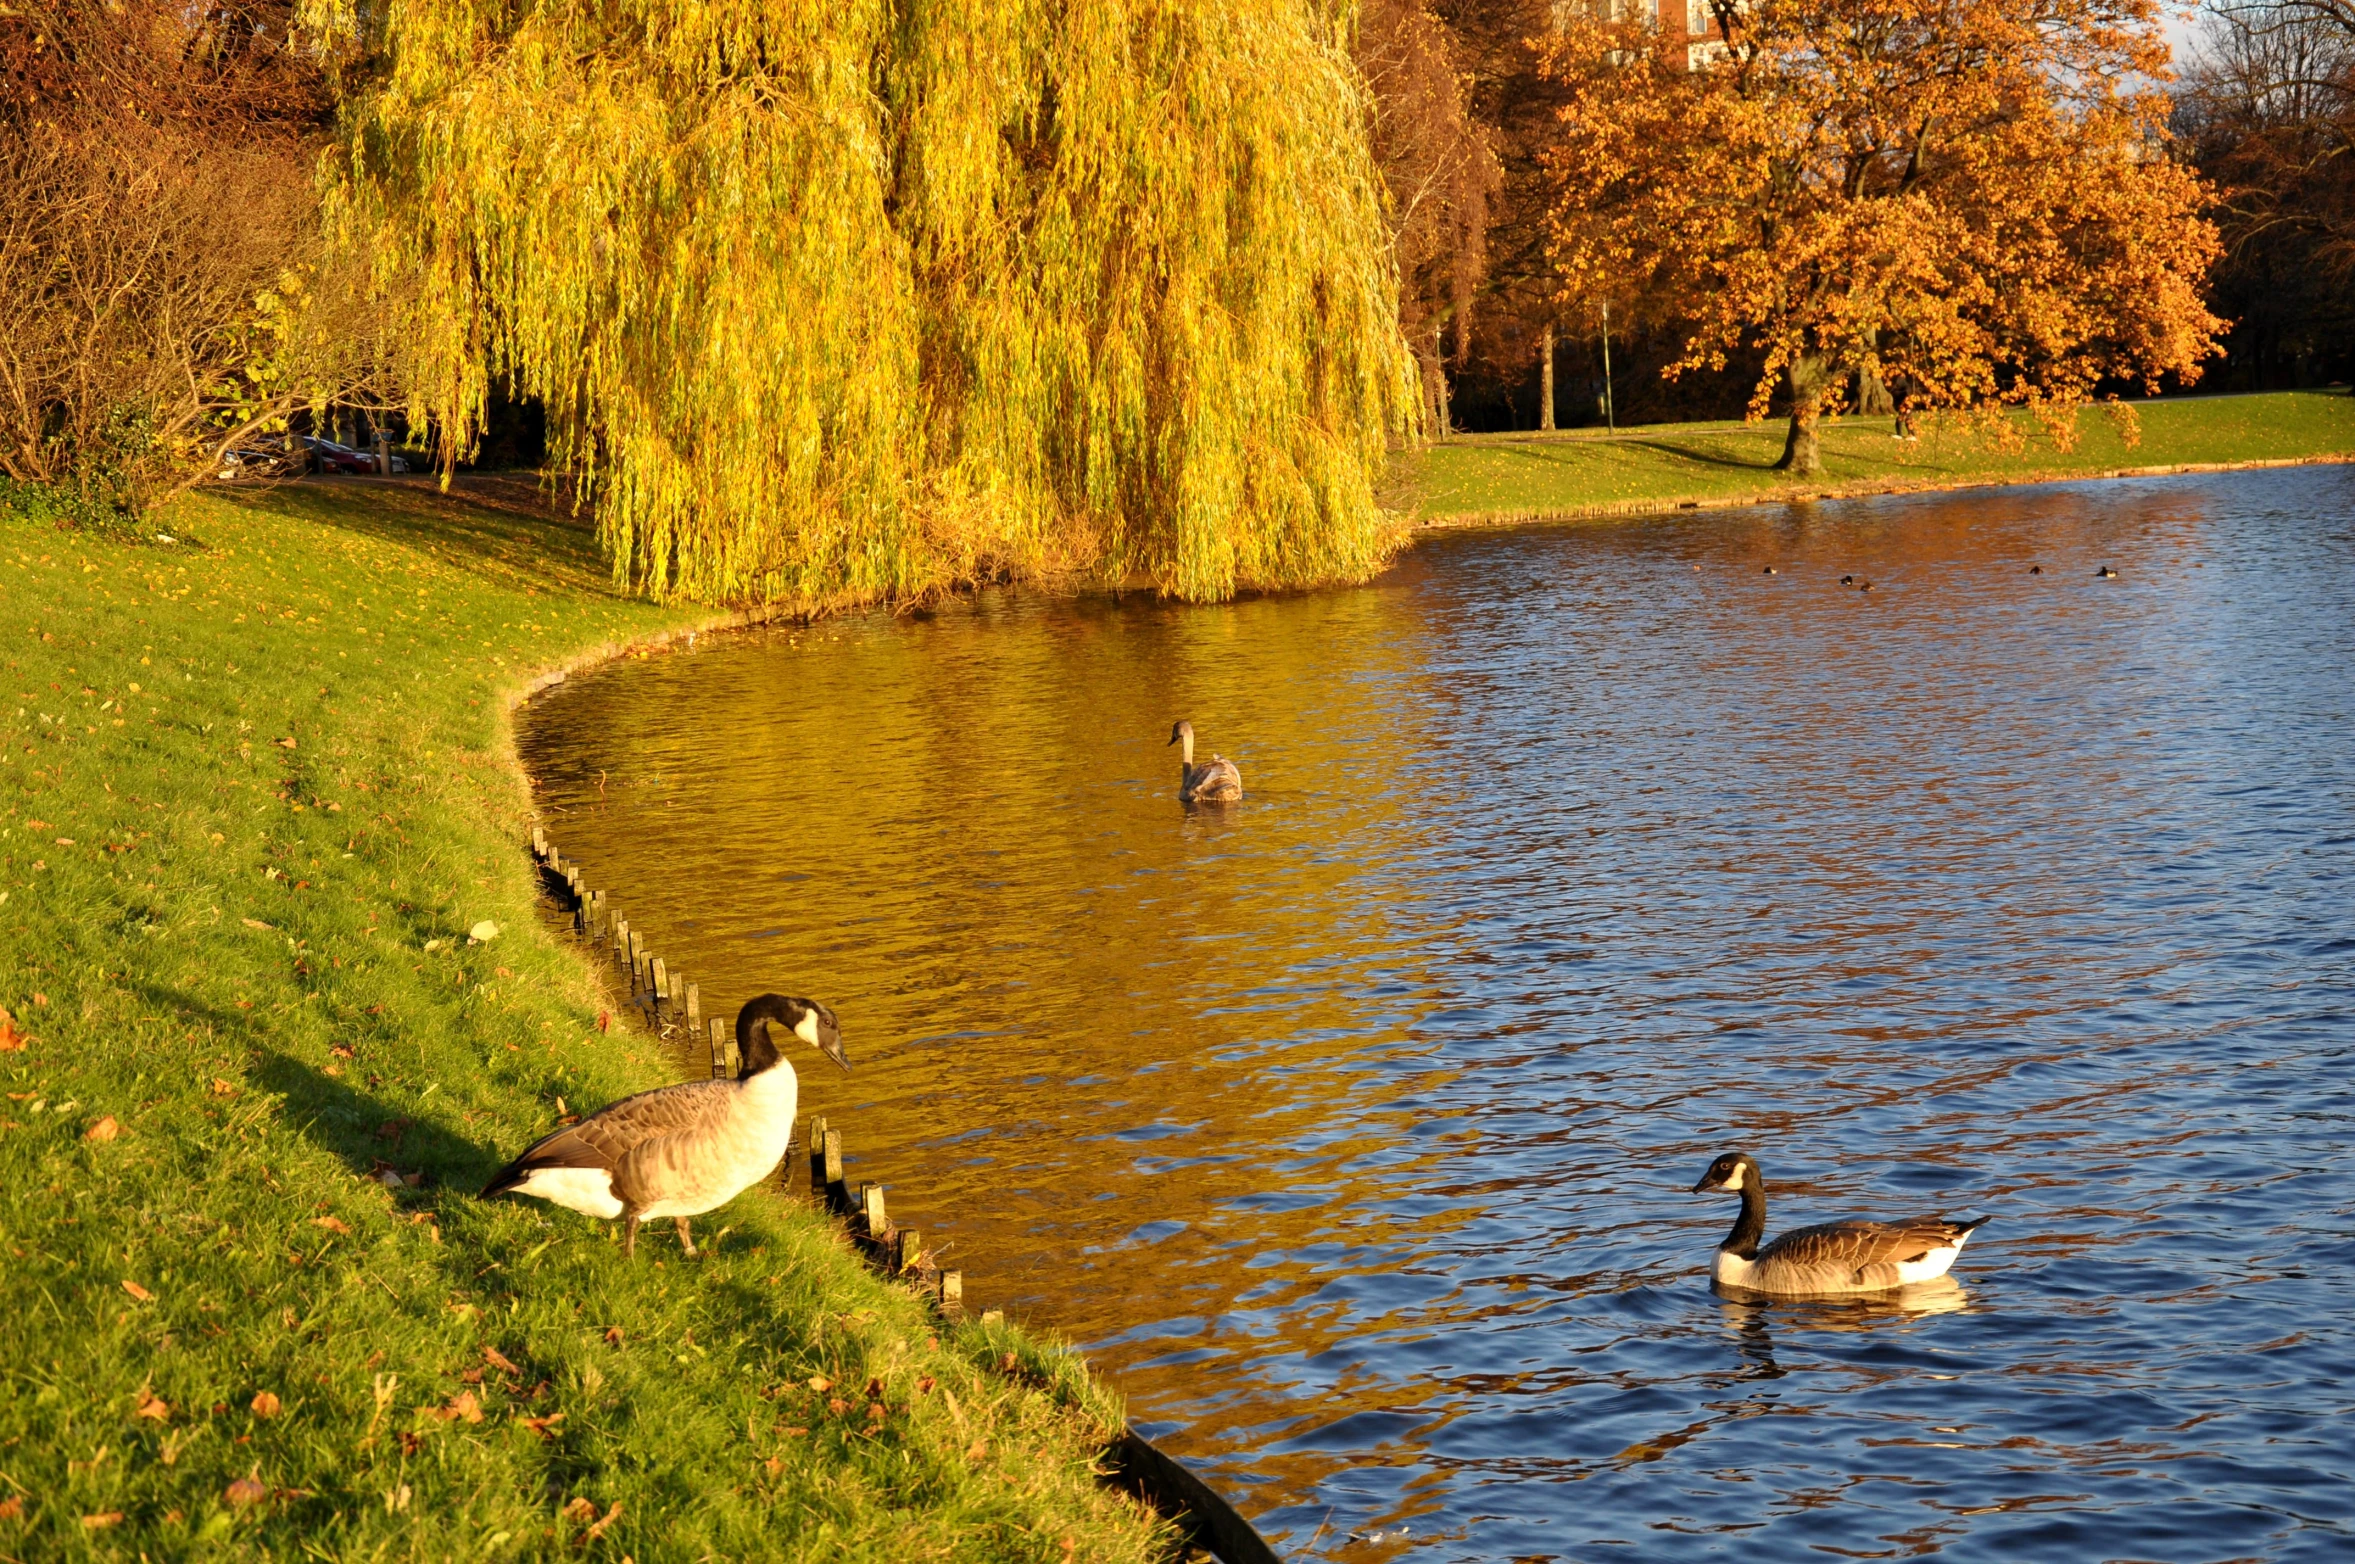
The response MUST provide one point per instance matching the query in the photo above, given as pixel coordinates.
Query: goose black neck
(773, 1008)
(1750, 1225)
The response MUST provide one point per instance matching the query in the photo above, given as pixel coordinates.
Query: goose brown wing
(605, 1137)
(1217, 777)
(1858, 1245)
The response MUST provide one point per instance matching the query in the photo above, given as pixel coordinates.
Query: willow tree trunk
(1545, 383)
(1805, 381)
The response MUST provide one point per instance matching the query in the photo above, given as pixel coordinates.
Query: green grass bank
(1513, 477)
(257, 787)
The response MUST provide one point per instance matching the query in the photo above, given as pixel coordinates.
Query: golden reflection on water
(1352, 1126)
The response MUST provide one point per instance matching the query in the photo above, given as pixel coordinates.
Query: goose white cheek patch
(807, 1028)
(1733, 1180)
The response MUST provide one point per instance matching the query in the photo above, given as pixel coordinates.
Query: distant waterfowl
(1770, 570)
(679, 1151)
(1864, 586)
(2105, 574)
(1835, 1257)
(1215, 781)
(1847, 581)
(2036, 570)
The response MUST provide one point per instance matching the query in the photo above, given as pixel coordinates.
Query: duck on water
(679, 1151)
(1215, 781)
(1832, 1258)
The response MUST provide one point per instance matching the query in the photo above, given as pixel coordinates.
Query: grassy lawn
(256, 788)
(1504, 476)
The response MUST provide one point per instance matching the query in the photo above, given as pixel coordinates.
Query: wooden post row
(900, 1250)
(837, 1192)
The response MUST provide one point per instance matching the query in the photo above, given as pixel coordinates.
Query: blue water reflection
(1351, 1129)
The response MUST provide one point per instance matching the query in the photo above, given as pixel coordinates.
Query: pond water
(1351, 1130)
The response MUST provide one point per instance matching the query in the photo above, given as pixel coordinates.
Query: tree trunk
(1805, 382)
(1545, 383)
(1872, 394)
(1440, 387)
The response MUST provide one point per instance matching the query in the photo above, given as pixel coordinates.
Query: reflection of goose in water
(1831, 1259)
(1215, 781)
(1749, 1310)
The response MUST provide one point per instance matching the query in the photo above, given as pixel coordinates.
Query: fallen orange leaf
(265, 1404)
(101, 1522)
(545, 1427)
(498, 1360)
(155, 1406)
(104, 1130)
(138, 1292)
(332, 1224)
(245, 1491)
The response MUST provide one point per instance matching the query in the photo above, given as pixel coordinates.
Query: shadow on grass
(504, 526)
(370, 1137)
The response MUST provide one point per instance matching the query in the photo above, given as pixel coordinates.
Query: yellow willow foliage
(833, 300)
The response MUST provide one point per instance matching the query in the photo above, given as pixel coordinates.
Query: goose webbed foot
(686, 1243)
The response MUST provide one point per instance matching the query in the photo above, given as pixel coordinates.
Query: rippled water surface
(1351, 1129)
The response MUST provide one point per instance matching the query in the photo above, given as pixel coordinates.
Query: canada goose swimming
(1847, 581)
(2105, 574)
(1770, 570)
(2036, 570)
(1215, 781)
(1864, 586)
(679, 1151)
(1835, 1257)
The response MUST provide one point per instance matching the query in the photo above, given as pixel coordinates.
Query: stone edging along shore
(1861, 489)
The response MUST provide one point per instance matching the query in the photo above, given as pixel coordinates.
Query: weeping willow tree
(836, 300)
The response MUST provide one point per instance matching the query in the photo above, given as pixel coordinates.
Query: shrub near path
(257, 789)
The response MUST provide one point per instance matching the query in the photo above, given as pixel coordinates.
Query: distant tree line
(164, 281)
(2259, 115)
(816, 303)
(2266, 110)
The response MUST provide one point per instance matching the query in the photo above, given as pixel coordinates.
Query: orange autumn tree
(1969, 202)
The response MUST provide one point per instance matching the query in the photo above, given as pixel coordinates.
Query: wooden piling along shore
(671, 1004)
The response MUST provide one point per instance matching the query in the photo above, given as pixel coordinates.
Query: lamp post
(1610, 403)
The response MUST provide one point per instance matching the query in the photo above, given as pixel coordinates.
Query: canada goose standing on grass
(679, 1151)
(1215, 781)
(1836, 1257)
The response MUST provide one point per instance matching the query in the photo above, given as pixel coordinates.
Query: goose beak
(830, 1044)
(1704, 1185)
